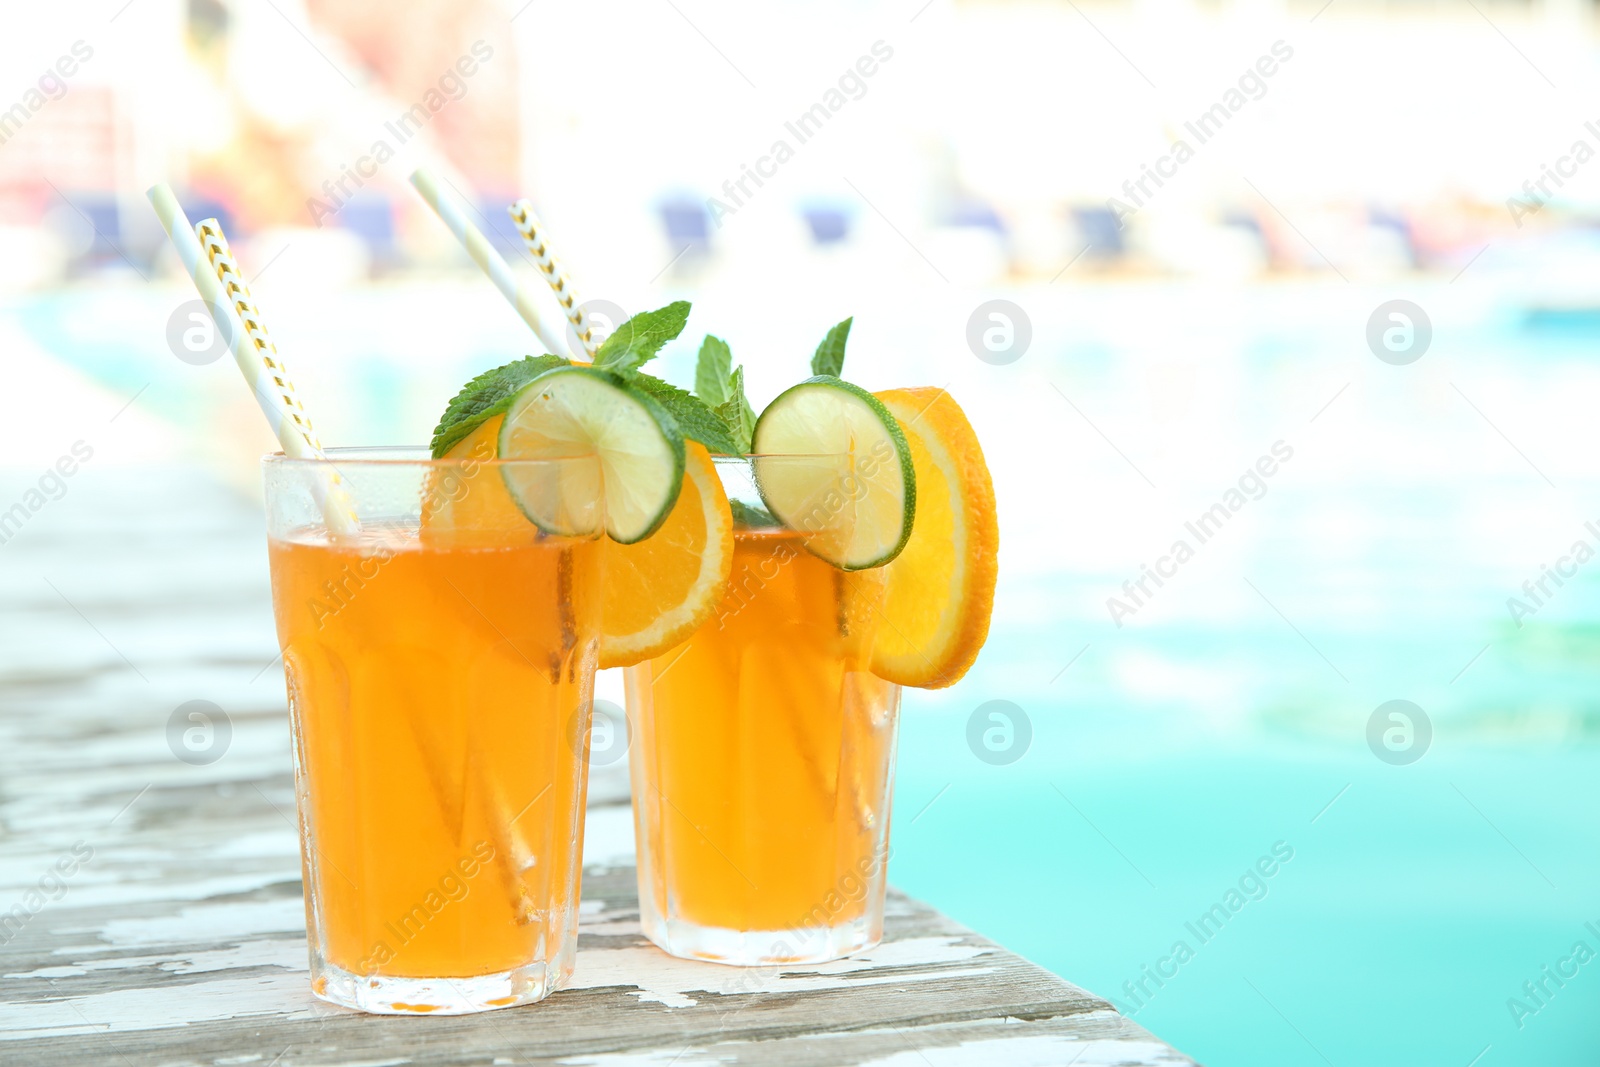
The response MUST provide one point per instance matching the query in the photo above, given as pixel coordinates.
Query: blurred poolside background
(1229, 312)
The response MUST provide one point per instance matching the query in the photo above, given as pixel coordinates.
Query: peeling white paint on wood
(205, 922)
(667, 979)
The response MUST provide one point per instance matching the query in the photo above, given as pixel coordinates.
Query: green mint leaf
(829, 357)
(736, 413)
(752, 516)
(486, 396)
(697, 421)
(722, 391)
(711, 371)
(637, 341)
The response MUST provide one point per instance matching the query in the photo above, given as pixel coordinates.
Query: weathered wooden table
(150, 908)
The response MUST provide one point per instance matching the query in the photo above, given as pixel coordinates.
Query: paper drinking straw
(453, 214)
(533, 236)
(215, 246)
(276, 401)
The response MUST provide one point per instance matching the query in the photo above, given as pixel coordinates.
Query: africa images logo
(1251, 485)
(805, 126)
(450, 87)
(1251, 85)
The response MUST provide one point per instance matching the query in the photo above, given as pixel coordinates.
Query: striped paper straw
(215, 245)
(533, 236)
(453, 213)
(268, 383)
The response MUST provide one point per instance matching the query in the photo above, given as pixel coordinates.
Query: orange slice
(941, 587)
(660, 590)
(656, 592)
(466, 505)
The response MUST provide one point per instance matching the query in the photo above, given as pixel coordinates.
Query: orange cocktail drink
(762, 760)
(440, 667)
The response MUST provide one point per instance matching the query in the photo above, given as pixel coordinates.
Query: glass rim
(382, 456)
(421, 456)
(723, 457)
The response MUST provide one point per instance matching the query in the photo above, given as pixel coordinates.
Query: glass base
(387, 995)
(762, 948)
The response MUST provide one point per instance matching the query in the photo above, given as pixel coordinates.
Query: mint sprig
(723, 392)
(486, 396)
(735, 412)
(637, 341)
(697, 421)
(711, 370)
(717, 413)
(829, 357)
(634, 343)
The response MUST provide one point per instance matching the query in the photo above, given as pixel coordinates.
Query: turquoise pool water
(1419, 898)
(1229, 715)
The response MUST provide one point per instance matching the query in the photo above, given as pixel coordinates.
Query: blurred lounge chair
(829, 223)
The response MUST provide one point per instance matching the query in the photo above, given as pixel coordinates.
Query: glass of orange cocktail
(440, 662)
(763, 751)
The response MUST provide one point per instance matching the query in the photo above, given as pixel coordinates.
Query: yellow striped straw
(205, 255)
(533, 236)
(209, 231)
(294, 424)
(452, 211)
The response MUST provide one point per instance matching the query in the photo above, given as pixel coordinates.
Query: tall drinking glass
(440, 666)
(763, 755)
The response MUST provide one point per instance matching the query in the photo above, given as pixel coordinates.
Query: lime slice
(832, 463)
(579, 411)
